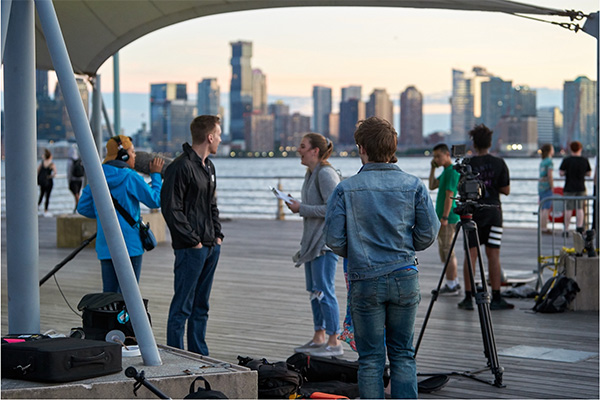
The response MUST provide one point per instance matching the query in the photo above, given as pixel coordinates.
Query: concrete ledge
(173, 378)
(585, 272)
(72, 229)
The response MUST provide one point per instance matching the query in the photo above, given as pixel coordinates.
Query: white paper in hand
(280, 195)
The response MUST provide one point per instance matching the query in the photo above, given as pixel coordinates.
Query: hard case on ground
(60, 359)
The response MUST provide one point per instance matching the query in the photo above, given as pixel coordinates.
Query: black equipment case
(60, 359)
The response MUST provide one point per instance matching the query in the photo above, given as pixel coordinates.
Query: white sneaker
(307, 347)
(328, 351)
(47, 214)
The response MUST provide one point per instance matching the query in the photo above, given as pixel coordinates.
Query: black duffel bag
(105, 312)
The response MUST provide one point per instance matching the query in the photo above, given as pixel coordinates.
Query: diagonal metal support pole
(102, 200)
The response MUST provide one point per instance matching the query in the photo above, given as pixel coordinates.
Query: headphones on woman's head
(121, 153)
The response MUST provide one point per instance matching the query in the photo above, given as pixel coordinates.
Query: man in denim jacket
(378, 219)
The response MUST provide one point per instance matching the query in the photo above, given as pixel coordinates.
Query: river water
(243, 185)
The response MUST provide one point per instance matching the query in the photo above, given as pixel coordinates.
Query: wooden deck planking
(259, 308)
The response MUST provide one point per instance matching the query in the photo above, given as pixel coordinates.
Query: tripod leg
(482, 299)
(435, 293)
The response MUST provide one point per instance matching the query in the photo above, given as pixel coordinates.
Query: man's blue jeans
(386, 306)
(110, 283)
(194, 272)
(320, 282)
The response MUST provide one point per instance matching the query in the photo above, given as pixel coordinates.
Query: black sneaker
(466, 304)
(447, 291)
(501, 305)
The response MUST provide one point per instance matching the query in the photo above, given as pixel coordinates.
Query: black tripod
(482, 297)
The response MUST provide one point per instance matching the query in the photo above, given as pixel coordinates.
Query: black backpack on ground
(556, 294)
(275, 380)
(77, 170)
(204, 392)
(321, 369)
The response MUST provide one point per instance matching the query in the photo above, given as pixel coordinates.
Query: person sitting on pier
(319, 261)
(128, 188)
(378, 219)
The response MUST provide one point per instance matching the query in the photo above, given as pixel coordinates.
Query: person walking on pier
(128, 188)
(546, 185)
(446, 184)
(75, 173)
(575, 168)
(46, 173)
(319, 261)
(189, 205)
(493, 172)
(378, 219)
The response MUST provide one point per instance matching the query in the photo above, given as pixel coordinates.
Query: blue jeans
(110, 283)
(383, 312)
(194, 272)
(320, 282)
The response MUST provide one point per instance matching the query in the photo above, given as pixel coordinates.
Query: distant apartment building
(580, 112)
(496, 96)
(42, 92)
(298, 126)
(411, 118)
(351, 111)
(240, 94)
(321, 109)
(259, 131)
(517, 135)
(54, 119)
(209, 97)
(523, 101)
(380, 105)
(334, 127)
(466, 102)
(280, 112)
(170, 116)
(259, 91)
(550, 124)
(351, 92)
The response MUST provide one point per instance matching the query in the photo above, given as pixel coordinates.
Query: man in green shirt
(447, 183)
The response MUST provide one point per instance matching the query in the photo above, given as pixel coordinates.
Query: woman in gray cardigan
(319, 261)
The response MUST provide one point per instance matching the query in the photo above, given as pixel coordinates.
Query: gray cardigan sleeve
(328, 179)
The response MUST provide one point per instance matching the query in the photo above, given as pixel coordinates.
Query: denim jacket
(378, 219)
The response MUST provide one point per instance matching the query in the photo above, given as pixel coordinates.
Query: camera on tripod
(470, 188)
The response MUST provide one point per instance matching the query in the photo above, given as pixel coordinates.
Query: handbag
(146, 235)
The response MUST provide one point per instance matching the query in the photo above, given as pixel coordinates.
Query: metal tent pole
(116, 94)
(6, 5)
(102, 200)
(22, 240)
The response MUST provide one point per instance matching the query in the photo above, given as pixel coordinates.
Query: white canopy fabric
(96, 29)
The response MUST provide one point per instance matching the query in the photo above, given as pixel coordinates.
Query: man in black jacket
(189, 205)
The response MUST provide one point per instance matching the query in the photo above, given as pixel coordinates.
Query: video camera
(470, 188)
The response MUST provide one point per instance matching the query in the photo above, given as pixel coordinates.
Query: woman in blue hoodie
(129, 189)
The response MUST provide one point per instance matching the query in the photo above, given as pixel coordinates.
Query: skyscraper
(41, 85)
(523, 101)
(351, 92)
(495, 103)
(281, 113)
(259, 91)
(380, 105)
(259, 130)
(411, 118)
(550, 123)
(351, 111)
(321, 109)
(466, 102)
(170, 116)
(240, 94)
(580, 119)
(209, 97)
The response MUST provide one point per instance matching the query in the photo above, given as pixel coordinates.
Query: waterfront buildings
(380, 105)
(209, 97)
(259, 91)
(170, 116)
(411, 118)
(321, 109)
(259, 131)
(550, 125)
(240, 94)
(351, 111)
(466, 102)
(580, 118)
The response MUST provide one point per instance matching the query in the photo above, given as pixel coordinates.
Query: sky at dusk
(389, 48)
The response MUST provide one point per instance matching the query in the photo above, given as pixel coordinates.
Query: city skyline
(394, 48)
